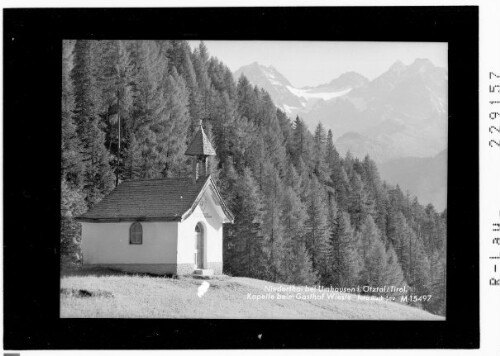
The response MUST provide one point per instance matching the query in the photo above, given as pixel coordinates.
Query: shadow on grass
(72, 270)
(77, 270)
(84, 293)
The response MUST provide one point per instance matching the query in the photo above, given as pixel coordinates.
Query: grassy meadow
(100, 293)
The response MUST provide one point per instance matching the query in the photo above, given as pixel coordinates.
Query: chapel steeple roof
(200, 145)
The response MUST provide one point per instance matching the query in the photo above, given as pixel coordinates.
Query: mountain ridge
(402, 113)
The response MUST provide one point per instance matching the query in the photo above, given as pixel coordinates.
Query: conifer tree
(247, 102)
(255, 157)
(72, 205)
(175, 54)
(181, 59)
(230, 84)
(333, 209)
(419, 275)
(360, 203)
(377, 193)
(97, 178)
(72, 199)
(301, 142)
(395, 231)
(245, 257)
(302, 272)
(373, 255)
(342, 187)
(293, 180)
(240, 140)
(273, 138)
(293, 220)
(71, 160)
(348, 164)
(272, 228)
(317, 227)
(320, 165)
(228, 183)
(286, 130)
(148, 108)
(171, 127)
(338, 177)
(393, 275)
(332, 156)
(437, 286)
(200, 65)
(228, 179)
(115, 82)
(224, 118)
(344, 260)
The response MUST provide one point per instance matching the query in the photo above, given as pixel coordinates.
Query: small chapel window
(136, 234)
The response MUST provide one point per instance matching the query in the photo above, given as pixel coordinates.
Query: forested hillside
(304, 215)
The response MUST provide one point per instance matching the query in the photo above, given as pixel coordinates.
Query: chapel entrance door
(199, 247)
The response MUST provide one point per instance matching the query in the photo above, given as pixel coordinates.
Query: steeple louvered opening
(200, 148)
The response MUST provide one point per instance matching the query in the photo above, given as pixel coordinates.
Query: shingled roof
(200, 145)
(169, 199)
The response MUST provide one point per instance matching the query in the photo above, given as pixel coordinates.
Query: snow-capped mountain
(297, 100)
(401, 114)
(345, 81)
(273, 82)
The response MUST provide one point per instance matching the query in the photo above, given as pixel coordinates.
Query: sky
(308, 63)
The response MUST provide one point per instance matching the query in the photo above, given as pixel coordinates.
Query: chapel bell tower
(200, 148)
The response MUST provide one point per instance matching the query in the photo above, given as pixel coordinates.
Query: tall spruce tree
(437, 283)
(245, 256)
(332, 156)
(200, 64)
(115, 81)
(72, 199)
(320, 164)
(297, 267)
(97, 177)
(344, 261)
(394, 275)
(272, 228)
(148, 108)
(171, 127)
(223, 118)
(71, 160)
(317, 227)
(286, 130)
(373, 255)
(360, 204)
(247, 101)
(72, 205)
(301, 142)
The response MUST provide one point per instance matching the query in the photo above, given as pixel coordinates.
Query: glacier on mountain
(305, 93)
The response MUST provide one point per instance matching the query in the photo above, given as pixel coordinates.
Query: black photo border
(32, 90)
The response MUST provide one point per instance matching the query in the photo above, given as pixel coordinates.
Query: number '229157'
(495, 130)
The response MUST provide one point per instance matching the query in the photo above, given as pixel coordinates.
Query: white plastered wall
(108, 243)
(211, 219)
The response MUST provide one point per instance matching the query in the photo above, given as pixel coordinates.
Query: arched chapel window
(136, 234)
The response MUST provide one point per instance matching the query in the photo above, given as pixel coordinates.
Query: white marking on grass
(202, 289)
